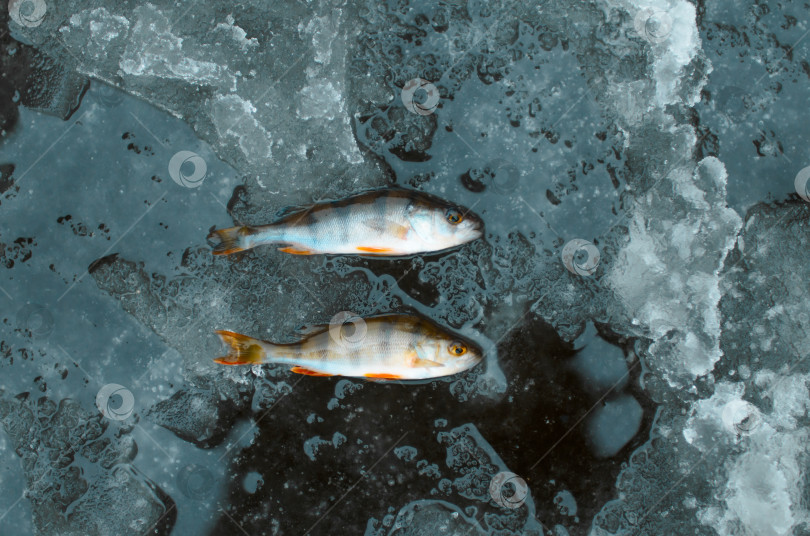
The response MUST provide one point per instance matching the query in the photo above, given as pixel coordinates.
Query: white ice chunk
(668, 271)
(237, 34)
(234, 116)
(105, 29)
(322, 100)
(153, 50)
(764, 486)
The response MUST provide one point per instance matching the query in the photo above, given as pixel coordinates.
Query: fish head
(444, 226)
(454, 353)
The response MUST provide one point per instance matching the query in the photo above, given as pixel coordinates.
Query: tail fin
(244, 350)
(231, 240)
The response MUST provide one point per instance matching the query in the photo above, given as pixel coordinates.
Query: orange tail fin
(244, 350)
(231, 240)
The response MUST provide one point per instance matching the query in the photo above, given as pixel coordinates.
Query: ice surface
(668, 273)
(603, 122)
(74, 458)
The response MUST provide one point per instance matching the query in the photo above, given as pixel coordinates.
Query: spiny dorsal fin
(290, 209)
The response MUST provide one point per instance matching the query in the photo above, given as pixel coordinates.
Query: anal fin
(308, 372)
(383, 376)
(296, 251)
(369, 249)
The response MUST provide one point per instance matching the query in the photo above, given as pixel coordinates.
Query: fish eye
(457, 349)
(453, 216)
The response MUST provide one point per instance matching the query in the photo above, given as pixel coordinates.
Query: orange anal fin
(295, 251)
(308, 372)
(367, 249)
(383, 376)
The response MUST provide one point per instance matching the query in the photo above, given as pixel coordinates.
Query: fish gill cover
(640, 292)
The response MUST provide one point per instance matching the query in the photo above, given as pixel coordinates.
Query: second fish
(390, 222)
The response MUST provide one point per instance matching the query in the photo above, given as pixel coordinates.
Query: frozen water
(641, 291)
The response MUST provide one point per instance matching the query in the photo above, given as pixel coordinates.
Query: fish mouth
(477, 229)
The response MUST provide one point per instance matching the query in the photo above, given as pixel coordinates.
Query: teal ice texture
(641, 291)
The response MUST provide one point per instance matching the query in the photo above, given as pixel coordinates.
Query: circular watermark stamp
(195, 481)
(409, 94)
(800, 182)
(187, 169)
(115, 402)
(35, 319)
(741, 417)
(347, 328)
(653, 25)
(581, 257)
(109, 96)
(508, 490)
(504, 175)
(733, 102)
(28, 13)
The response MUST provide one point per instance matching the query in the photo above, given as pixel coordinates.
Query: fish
(382, 347)
(389, 222)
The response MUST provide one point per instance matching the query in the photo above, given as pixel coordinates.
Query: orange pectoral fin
(383, 376)
(295, 251)
(366, 249)
(307, 372)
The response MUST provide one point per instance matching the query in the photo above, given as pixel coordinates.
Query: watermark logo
(195, 482)
(801, 183)
(29, 13)
(115, 402)
(109, 96)
(409, 92)
(741, 417)
(504, 175)
(733, 102)
(653, 25)
(35, 319)
(580, 257)
(187, 169)
(508, 490)
(347, 328)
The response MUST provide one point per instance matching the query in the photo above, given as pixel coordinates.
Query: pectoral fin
(419, 362)
(388, 228)
(417, 359)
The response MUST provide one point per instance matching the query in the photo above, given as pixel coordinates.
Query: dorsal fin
(290, 209)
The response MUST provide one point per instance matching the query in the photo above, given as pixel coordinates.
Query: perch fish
(392, 346)
(391, 222)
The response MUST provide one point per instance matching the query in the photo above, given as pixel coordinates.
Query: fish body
(391, 222)
(393, 346)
